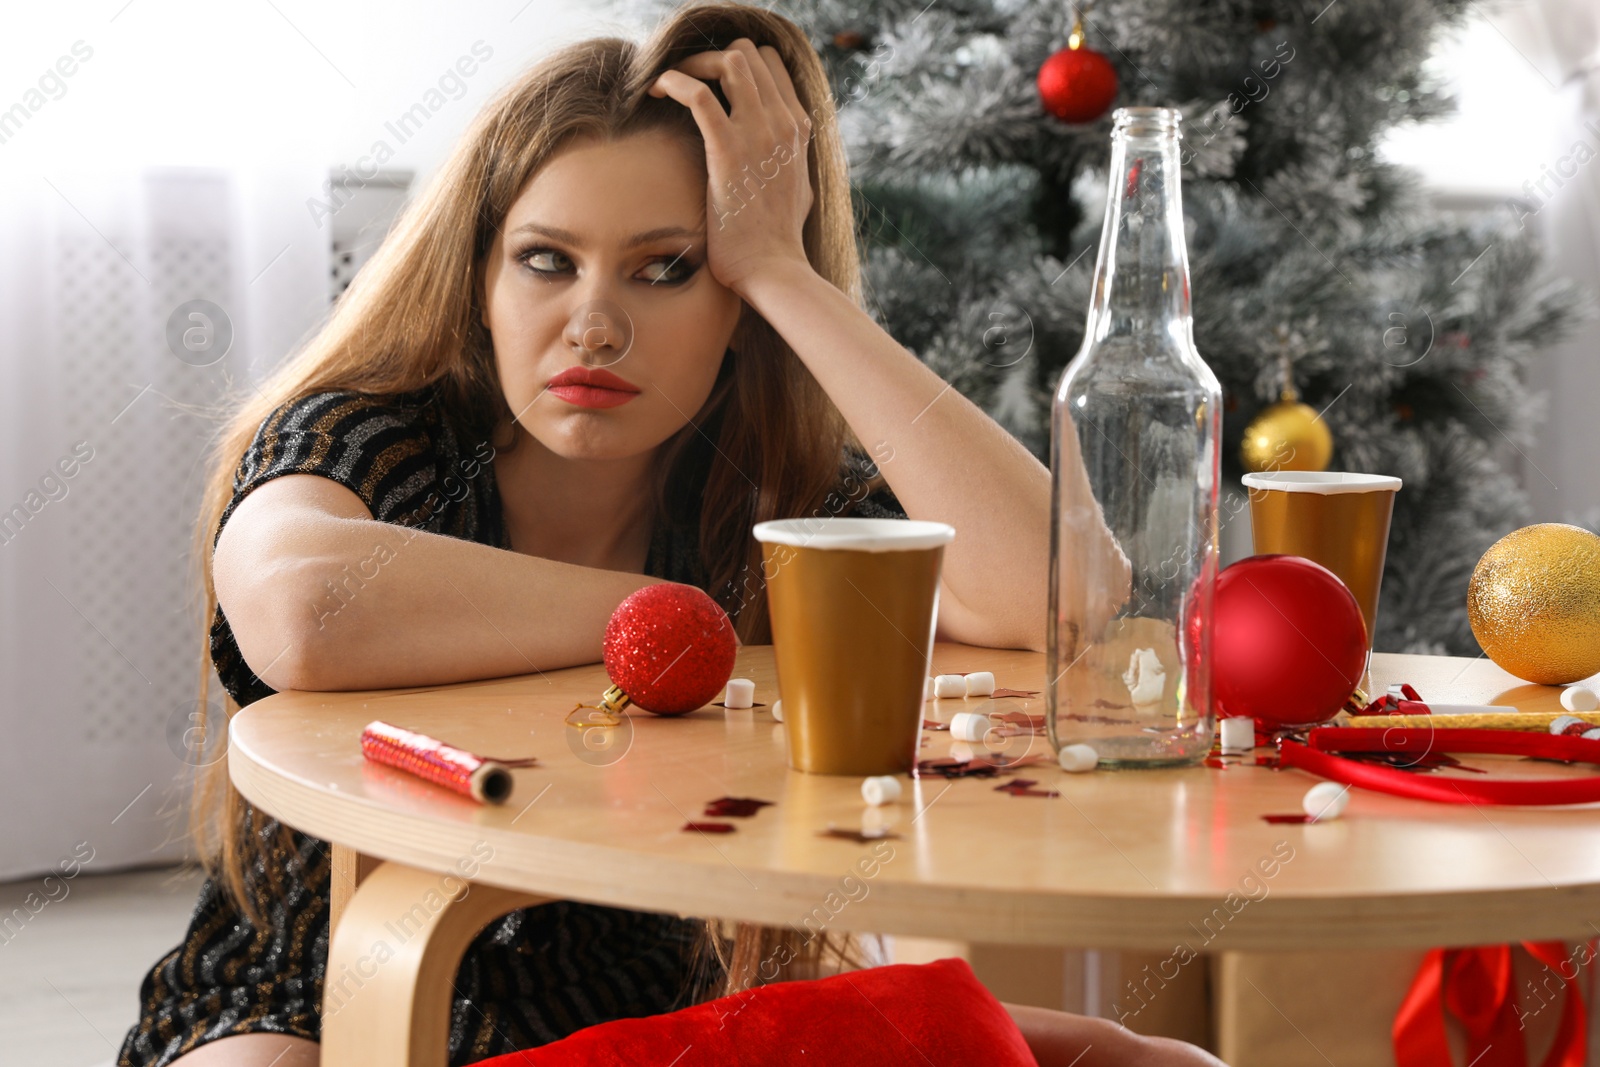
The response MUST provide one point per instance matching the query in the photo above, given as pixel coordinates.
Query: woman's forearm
(374, 605)
(950, 462)
(1061, 1039)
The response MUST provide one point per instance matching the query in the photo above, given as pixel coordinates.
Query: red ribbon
(1475, 985)
(1316, 756)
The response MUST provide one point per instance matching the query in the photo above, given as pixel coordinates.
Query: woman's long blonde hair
(411, 319)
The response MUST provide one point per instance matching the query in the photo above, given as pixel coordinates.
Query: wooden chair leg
(350, 868)
(391, 961)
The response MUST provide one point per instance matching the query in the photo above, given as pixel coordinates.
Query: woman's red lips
(592, 387)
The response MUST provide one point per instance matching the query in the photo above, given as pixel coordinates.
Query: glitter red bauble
(670, 648)
(1077, 85)
(1288, 643)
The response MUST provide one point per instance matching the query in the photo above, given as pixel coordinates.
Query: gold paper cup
(853, 604)
(1336, 519)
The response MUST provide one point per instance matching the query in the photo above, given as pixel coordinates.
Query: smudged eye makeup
(548, 262)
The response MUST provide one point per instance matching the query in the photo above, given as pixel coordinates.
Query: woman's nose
(600, 329)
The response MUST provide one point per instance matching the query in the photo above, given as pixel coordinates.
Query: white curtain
(1562, 39)
(104, 427)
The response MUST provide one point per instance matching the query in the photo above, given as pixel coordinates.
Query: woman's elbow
(992, 627)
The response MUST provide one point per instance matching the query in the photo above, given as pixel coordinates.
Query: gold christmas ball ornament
(1534, 603)
(1287, 436)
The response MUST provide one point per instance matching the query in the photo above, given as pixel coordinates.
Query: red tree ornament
(1077, 84)
(669, 649)
(1288, 643)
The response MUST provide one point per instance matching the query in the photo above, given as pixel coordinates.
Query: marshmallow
(950, 685)
(1145, 678)
(1238, 735)
(980, 684)
(1078, 758)
(741, 693)
(1325, 801)
(1577, 698)
(777, 710)
(884, 789)
(969, 725)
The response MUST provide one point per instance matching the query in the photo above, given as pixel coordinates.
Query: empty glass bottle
(1135, 454)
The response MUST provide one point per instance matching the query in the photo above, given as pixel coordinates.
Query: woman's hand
(759, 189)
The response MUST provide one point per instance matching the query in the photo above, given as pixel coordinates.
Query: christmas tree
(1314, 264)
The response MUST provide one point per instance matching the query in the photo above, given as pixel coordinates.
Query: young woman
(621, 326)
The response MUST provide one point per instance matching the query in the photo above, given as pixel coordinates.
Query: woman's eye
(532, 256)
(676, 271)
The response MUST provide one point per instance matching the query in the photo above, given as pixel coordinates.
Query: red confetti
(1273, 761)
(1002, 694)
(1295, 817)
(1016, 724)
(860, 837)
(1215, 763)
(1024, 787)
(710, 827)
(735, 807)
(955, 768)
(988, 766)
(1000, 759)
(1409, 703)
(930, 724)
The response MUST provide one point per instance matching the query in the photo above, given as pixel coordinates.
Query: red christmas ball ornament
(669, 649)
(1288, 643)
(1077, 84)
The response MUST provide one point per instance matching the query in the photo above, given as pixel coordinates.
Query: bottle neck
(1141, 278)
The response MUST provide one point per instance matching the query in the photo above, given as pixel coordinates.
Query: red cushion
(879, 1016)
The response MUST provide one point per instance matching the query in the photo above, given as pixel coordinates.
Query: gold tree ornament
(1288, 435)
(1534, 603)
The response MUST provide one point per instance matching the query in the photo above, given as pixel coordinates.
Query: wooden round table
(1117, 859)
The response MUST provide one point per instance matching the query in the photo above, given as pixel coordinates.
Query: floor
(70, 971)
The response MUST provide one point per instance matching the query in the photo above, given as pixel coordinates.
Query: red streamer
(1476, 986)
(1472, 984)
(1316, 756)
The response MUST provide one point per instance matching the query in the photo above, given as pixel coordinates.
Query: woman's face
(606, 347)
